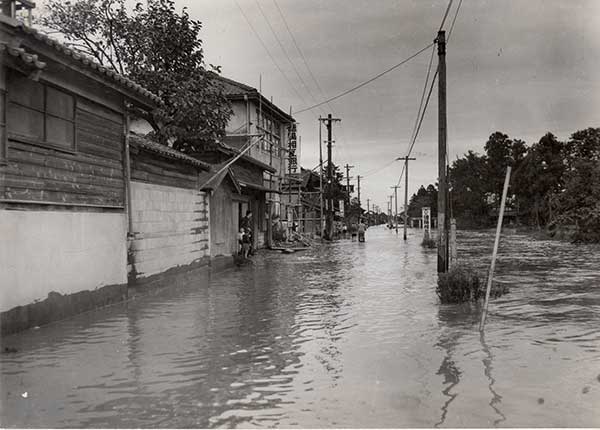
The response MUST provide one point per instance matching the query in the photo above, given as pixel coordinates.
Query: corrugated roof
(166, 151)
(82, 59)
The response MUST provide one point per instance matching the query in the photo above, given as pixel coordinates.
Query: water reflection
(343, 335)
(488, 366)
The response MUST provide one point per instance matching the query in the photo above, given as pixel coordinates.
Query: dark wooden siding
(90, 175)
(155, 169)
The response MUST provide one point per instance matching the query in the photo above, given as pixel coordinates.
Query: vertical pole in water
(496, 242)
(406, 160)
(442, 249)
(396, 208)
(453, 249)
(321, 179)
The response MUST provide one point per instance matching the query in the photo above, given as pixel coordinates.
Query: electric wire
(368, 81)
(269, 52)
(284, 51)
(445, 15)
(312, 75)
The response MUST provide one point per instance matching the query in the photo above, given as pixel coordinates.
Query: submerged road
(343, 335)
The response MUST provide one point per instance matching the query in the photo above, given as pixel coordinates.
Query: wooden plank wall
(154, 169)
(92, 174)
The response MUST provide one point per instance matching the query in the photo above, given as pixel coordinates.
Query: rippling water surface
(345, 335)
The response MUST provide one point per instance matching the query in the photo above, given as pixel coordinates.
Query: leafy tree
(468, 183)
(424, 197)
(158, 48)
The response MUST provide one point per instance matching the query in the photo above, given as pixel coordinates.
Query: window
(40, 113)
(272, 131)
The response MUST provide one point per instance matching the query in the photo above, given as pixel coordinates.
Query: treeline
(554, 184)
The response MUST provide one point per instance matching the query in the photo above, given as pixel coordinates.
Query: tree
(157, 48)
(469, 185)
(424, 197)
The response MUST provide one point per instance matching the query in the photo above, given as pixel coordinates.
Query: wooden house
(257, 119)
(63, 178)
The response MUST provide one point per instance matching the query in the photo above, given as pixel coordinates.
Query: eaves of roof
(234, 90)
(231, 151)
(30, 60)
(167, 152)
(82, 60)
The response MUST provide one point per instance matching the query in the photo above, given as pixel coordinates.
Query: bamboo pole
(495, 252)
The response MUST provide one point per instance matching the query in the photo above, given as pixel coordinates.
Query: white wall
(66, 252)
(165, 220)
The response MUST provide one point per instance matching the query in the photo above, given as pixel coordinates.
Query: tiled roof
(231, 87)
(86, 62)
(234, 89)
(166, 151)
(20, 53)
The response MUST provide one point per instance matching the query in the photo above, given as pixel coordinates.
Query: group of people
(245, 235)
(356, 230)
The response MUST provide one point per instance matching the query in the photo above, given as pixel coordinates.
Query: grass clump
(428, 241)
(459, 285)
(462, 284)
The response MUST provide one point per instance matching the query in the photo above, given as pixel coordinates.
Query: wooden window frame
(43, 142)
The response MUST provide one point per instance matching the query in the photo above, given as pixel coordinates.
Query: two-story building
(255, 118)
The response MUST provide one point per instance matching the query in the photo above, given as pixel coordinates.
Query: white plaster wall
(66, 252)
(165, 220)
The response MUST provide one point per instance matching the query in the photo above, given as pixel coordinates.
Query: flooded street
(343, 335)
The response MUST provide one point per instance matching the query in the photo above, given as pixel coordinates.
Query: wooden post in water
(495, 252)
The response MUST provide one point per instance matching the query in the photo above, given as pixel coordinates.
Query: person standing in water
(361, 231)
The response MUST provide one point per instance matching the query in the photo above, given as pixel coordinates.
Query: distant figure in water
(361, 231)
(353, 231)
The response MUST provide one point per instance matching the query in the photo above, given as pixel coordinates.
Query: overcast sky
(523, 67)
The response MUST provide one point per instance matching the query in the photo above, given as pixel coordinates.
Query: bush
(460, 284)
(428, 241)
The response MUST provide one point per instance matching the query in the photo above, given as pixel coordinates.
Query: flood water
(343, 335)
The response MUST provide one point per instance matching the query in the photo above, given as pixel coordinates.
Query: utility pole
(390, 206)
(348, 167)
(368, 213)
(442, 135)
(406, 160)
(320, 179)
(329, 219)
(358, 179)
(395, 187)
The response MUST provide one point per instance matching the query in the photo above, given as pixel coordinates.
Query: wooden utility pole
(358, 185)
(329, 218)
(368, 213)
(390, 203)
(442, 135)
(348, 167)
(320, 179)
(406, 160)
(395, 187)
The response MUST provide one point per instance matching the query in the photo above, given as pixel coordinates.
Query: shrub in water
(428, 241)
(460, 284)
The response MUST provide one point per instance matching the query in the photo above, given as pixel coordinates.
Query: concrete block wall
(170, 228)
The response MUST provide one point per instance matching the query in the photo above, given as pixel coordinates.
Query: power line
(453, 21)
(445, 16)
(301, 53)
(268, 52)
(284, 50)
(367, 81)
